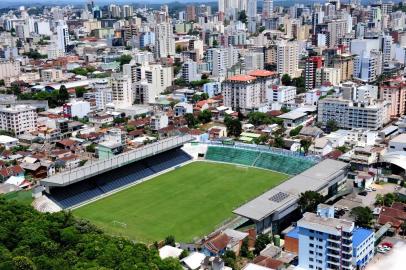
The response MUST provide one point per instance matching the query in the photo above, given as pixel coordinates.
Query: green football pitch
(187, 202)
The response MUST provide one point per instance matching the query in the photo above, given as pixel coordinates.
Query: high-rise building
(103, 94)
(62, 36)
(325, 75)
(312, 64)
(18, 119)
(345, 63)
(267, 8)
(126, 11)
(254, 60)
(121, 87)
(164, 41)
(394, 92)
(337, 29)
(326, 242)
(288, 58)
(114, 11)
(190, 13)
(221, 59)
(189, 71)
(368, 66)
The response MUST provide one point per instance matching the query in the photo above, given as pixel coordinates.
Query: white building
(368, 66)
(312, 96)
(164, 41)
(18, 119)
(51, 75)
(281, 94)
(222, 59)
(7, 141)
(189, 71)
(9, 69)
(62, 35)
(349, 114)
(183, 108)
(398, 143)
(288, 58)
(328, 75)
(254, 60)
(159, 121)
(76, 108)
(103, 94)
(122, 95)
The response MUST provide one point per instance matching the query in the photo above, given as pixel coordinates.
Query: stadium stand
(83, 191)
(291, 165)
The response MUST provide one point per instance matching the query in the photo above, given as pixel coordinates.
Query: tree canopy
(309, 200)
(362, 215)
(34, 240)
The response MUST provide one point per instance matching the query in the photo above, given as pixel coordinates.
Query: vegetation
(125, 59)
(305, 145)
(34, 55)
(205, 116)
(198, 97)
(294, 132)
(32, 240)
(331, 126)
(261, 242)
(242, 16)
(309, 200)
(191, 120)
(193, 200)
(260, 118)
(362, 215)
(234, 127)
(84, 71)
(80, 91)
(230, 259)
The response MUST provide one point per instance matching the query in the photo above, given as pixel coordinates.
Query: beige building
(9, 69)
(328, 75)
(18, 119)
(345, 63)
(394, 92)
(51, 75)
(288, 58)
(121, 88)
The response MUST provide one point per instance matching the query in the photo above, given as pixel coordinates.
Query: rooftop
(241, 78)
(316, 221)
(360, 235)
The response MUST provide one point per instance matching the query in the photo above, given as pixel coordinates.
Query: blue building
(146, 39)
(212, 88)
(326, 242)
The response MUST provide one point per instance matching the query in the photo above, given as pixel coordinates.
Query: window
(311, 238)
(311, 266)
(311, 245)
(311, 259)
(311, 252)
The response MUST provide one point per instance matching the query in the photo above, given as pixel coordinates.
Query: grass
(23, 196)
(188, 202)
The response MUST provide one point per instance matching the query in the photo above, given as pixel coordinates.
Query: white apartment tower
(288, 58)
(164, 41)
(122, 95)
(18, 119)
(267, 8)
(62, 34)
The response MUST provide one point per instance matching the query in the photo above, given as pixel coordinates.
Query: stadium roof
(397, 157)
(287, 193)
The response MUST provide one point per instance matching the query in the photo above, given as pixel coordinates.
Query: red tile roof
(261, 73)
(241, 78)
(217, 243)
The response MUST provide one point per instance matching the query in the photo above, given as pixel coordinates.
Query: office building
(18, 119)
(62, 34)
(368, 66)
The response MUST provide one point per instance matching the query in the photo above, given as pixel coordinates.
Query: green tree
(191, 120)
(234, 127)
(80, 91)
(63, 95)
(23, 263)
(91, 148)
(125, 59)
(286, 80)
(261, 242)
(294, 132)
(379, 199)
(278, 142)
(389, 199)
(258, 118)
(2, 83)
(242, 16)
(230, 259)
(244, 248)
(362, 216)
(215, 43)
(305, 145)
(309, 200)
(205, 116)
(170, 240)
(331, 126)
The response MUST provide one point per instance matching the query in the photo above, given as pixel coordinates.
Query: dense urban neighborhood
(227, 135)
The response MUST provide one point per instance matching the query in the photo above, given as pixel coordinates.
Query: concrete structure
(158, 121)
(326, 242)
(122, 95)
(9, 69)
(164, 41)
(394, 92)
(8, 142)
(103, 94)
(189, 71)
(288, 58)
(18, 119)
(281, 94)
(311, 66)
(76, 108)
(268, 209)
(62, 35)
(254, 60)
(349, 114)
(102, 166)
(398, 143)
(51, 75)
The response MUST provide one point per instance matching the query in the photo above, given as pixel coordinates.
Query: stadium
(187, 189)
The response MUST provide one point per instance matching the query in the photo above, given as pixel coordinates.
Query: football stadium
(174, 187)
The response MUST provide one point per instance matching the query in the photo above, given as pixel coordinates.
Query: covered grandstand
(97, 186)
(262, 158)
(268, 210)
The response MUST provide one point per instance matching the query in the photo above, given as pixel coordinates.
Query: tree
(125, 59)
(278, 142)
(2, 83)
(184, 254)
(230, 258)
(234, 127)
(305, 145)
(258, 118)
(91, 148)
(261, 139)
(261, 242)
(331, 125)
(286, 80)
(205, 116)
(63, 95)
(244, 248)
(242, 16)
(170, 240)
(294, 132)
(362, 215)
(379, 199)
(215, 43)
(299, 83)
(23, 263)
(80, 91)
(389, 199)
(191, 120)
(309, 200)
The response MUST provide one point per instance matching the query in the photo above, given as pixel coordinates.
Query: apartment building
(394, 92)
(326, 242)
(351, 114)
(51, 75)
(189, 71)
(311, 66)
(76, 108)
(246, 92)
(121, 88)
(9, 69)
(288, 58)
(103, 94)
(345, 63)
(164, 41)
(18, 119)
(281, 94)
(328, 76)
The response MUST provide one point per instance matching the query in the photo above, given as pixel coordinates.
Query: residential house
(6, 173)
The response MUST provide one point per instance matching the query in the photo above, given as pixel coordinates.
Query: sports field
(188, 202)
